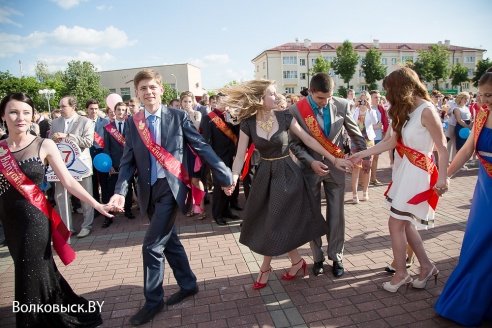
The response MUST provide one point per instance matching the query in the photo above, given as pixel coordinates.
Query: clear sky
(220, 37)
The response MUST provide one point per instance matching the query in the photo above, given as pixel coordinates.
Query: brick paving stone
(108, 268)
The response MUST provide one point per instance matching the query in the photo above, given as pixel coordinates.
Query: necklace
(267, 125)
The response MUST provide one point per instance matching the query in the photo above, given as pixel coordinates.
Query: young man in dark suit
(154, 145)
(114, 142)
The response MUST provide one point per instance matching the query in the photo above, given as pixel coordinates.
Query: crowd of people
(287, 150)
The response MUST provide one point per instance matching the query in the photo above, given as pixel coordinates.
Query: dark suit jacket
(44, 128)
(99, 128)
(340, 117)
(223, 146)
(112, 147)
(177, 132)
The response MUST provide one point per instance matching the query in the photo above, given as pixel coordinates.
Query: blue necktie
(153, 162)
(326, 115)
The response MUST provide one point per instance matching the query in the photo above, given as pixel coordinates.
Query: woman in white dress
(416, 185)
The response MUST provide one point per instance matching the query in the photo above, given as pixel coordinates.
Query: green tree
(342, 91)
(459, 74)
(28, 85)
(82, 81)
(169, 93)
(321, 65)
(433, 64)
(346, 61)
(42, 72)
(373, 69)
(480, 69)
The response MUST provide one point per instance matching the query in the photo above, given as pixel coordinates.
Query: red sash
(425, 163)
(479, 124)
(115, 134)
(98, 139)
(165, 158)
(11, 170)
(222, 126)
(247, 159)
(313, 126)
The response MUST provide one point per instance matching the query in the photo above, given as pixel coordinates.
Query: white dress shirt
(160, 169)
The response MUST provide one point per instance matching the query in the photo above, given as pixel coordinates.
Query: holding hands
(441, 187)
(229, 189)
(116, 204)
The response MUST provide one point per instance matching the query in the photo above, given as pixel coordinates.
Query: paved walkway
(108, 268)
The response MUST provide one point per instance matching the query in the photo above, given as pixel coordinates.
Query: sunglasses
(362, 102)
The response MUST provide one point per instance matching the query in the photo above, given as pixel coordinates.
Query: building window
(405, 59)
(329, 59)
(471, 71)
(313, 61)
(331, 72)
(465, 85)
(360, 60)
(112, 90)
(302, 62)
(289, 60)
(363, 88)
(264, 63)
(289, 90)
(384, 61)
(469, 59)
(361, 73)
(393, 61)
(125, 94)
(257, 68)
(172, 86)
(456, 60)
(302, 76)
(290, 74)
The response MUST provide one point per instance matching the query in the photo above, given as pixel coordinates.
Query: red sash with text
(247, 159)
(165, 158)
(425, 163)
(222, 126)
(480, 121)
(313, 126)
(115, 134)
(12, 172)
(98, 139)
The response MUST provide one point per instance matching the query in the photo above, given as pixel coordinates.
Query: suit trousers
(161, 239)
(220, 201)
(335, 219)
(88, 211)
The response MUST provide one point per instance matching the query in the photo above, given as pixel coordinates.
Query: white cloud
(5, 13)
(210, 60)
(60, 62)
(104, 7)
(13, 44)
(89, 38)
(67, 4)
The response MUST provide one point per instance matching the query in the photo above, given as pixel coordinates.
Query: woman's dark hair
(19, 96)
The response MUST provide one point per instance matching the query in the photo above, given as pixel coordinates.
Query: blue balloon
(464, 133)
(102, 162)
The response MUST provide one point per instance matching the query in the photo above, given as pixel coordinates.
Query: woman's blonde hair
(247, 97)
(461, 96)
(402, 86)
(282, 102)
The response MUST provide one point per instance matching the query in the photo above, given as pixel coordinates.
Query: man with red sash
(222, 136)
(155, 140)
(98, 178)
(323, 117)
(114, 143)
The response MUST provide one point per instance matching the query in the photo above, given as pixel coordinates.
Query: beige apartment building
(183, 77)
(290, 63)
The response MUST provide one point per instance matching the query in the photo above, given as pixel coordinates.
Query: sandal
(190, 214)
(202, 216)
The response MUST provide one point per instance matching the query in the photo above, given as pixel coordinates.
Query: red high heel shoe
(258, 284)
(287, 276)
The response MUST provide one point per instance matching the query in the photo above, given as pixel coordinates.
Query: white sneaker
(84, 233)
(464, 168)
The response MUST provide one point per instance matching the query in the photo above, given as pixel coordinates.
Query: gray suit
(334, 182)
(81, 131)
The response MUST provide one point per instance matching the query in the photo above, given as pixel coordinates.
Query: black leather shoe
(318, 268)
(107, 222)
(220, 221)
(145, 315)
(206, 199)
(180, 295)
(129, 215)
(234, 217)
(338, 268)
(236, 206)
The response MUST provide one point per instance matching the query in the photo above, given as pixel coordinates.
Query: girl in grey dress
(281, 213)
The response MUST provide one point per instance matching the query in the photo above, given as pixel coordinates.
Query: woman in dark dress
(281, 212)
(28, 231)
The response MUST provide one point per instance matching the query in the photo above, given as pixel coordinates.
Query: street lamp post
(48, 94)
(175, 84)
